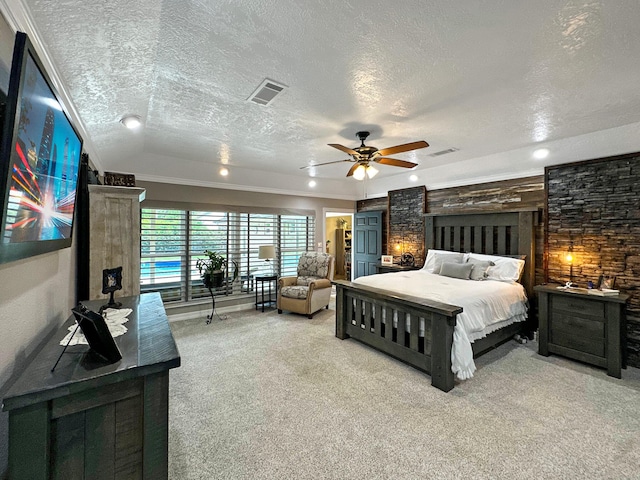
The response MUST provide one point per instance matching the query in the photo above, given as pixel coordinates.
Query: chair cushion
(295, 291)
(305, 281)
(314, 264)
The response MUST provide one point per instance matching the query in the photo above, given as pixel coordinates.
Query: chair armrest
(320, 283)
(287, 281)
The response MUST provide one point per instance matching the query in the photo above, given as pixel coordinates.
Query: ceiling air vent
(266, 92)
(444, 152)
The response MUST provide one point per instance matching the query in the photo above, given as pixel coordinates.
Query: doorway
(338, 242)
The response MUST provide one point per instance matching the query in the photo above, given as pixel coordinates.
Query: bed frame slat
(414, 333)
(402, 327)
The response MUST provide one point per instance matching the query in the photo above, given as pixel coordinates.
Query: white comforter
(487, 306)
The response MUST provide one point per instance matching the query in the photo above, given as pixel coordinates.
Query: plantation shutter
(163, 249)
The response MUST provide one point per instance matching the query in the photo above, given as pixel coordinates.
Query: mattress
(487, 305)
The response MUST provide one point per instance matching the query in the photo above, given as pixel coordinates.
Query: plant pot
(214, 279)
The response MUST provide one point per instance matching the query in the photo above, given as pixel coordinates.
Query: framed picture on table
(607, 282)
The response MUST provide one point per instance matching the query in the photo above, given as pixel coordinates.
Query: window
(173, 240)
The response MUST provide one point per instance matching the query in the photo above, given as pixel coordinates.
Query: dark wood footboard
(360, 311)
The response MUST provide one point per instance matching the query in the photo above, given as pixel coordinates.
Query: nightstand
(396, 268)
(583, 326)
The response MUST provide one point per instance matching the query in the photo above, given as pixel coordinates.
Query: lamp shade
(359, 172)
(267, 251)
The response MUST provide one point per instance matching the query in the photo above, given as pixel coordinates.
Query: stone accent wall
(594, 208)
(406, 223)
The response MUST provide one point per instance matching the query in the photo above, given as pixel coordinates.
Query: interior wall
(202, 197)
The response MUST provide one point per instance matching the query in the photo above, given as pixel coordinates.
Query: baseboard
(202, 313)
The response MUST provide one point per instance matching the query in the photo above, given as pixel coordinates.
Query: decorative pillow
(314, 264)
(456, 270)
(506, 269)
(434, 259)
(480, 268)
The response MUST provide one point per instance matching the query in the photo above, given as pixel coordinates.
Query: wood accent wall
(518, 193)
(594, 206)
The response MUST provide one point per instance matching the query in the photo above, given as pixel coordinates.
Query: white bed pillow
(506, 269)
(434, 259)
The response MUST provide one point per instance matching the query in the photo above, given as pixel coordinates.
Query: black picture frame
(97, 334)
(111, 280)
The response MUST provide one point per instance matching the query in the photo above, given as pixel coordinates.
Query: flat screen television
(39, 162)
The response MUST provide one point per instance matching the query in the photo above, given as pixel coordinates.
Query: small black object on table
(261, 280)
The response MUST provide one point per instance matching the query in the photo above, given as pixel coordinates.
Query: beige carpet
(268, 396)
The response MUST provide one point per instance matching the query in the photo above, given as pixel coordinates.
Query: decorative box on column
(114, 238)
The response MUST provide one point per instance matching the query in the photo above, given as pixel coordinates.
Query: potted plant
(212, 269)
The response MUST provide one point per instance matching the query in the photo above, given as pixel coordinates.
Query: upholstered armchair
(310, 290)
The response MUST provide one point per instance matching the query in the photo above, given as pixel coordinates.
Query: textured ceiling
(495, 79)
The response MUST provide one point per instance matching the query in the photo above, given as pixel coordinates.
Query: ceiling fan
(363, 155)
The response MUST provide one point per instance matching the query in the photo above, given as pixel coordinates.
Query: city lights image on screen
(43, 158)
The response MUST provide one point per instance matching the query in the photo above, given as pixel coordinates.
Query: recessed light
(312, 183)
(131, 121)
(541, 153)
(224, 171)
(413, 178)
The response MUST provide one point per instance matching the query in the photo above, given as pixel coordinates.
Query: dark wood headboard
(495, 233)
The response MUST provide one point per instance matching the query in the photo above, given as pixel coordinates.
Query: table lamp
(266, 253)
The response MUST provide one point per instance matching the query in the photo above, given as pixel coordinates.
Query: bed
(427, 324)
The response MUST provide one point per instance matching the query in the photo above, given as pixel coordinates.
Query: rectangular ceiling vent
(444, 152)
(266, 92)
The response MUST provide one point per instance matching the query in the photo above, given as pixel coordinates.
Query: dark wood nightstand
(396, 268)
(583, 326)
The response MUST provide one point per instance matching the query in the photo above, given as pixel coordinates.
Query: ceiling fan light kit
(363, 155)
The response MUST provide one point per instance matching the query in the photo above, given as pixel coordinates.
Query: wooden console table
(93, 421)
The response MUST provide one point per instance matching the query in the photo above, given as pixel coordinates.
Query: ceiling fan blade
(394, 162)
(402, 148)
(327, 163)
(343, 148)
(352, 169)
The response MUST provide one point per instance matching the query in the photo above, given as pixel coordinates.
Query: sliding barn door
(367, 242)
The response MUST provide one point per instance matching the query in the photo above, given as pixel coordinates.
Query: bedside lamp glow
(569, 258)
